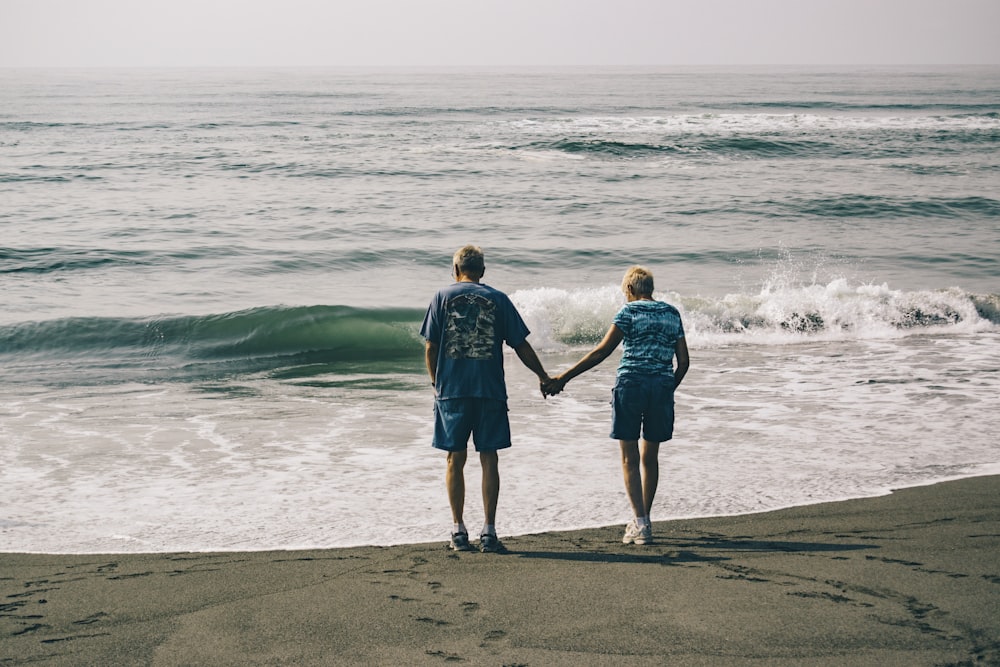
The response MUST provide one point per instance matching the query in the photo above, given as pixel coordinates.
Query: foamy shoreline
(988, 472)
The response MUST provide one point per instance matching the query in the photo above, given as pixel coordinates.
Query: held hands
(553, 386)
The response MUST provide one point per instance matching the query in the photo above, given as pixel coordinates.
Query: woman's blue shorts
(643, 402)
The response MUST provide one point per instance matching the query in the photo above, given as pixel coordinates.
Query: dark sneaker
(460, 542)
(491, 544)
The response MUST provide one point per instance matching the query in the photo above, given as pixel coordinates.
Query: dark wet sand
(907, 579)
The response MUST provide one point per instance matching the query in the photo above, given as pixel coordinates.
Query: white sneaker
(636, 535)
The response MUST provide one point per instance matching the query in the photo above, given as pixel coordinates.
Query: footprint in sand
(432, 621)
(93, 618)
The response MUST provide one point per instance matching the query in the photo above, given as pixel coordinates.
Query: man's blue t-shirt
(470, 322)
(651, 330)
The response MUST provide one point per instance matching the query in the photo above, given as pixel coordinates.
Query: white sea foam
(780, 313)
(728, 124)
(759, 427)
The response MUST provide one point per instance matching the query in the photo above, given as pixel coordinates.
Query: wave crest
(777, 314)
(206, 346)
(303, 341)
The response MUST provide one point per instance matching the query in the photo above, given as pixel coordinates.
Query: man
(465, 328)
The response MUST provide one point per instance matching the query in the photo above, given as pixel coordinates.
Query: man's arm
(527, 355)
(431, 359)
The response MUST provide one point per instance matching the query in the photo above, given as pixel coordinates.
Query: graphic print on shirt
(469, 327)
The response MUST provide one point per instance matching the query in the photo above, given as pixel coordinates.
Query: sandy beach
(912, 578)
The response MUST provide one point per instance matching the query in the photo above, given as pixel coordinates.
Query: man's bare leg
(491, 485)
(455, 480)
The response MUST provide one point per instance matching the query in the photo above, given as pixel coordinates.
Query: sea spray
(777, 314)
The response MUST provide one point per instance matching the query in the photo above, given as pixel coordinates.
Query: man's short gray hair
(469, 260)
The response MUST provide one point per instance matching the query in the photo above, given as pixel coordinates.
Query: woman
(643, 397)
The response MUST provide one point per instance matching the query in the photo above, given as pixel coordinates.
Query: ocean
(213, 281)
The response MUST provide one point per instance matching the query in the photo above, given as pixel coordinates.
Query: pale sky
(89, 33)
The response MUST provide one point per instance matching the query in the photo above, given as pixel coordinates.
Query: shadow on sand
(695, 550)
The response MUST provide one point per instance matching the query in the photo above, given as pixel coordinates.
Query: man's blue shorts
(645, 401)
(485, 419)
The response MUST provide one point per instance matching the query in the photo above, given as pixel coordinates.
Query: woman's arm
(604, 349)
(683, 361)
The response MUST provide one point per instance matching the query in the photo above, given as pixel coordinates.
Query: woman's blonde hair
(640, 280)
